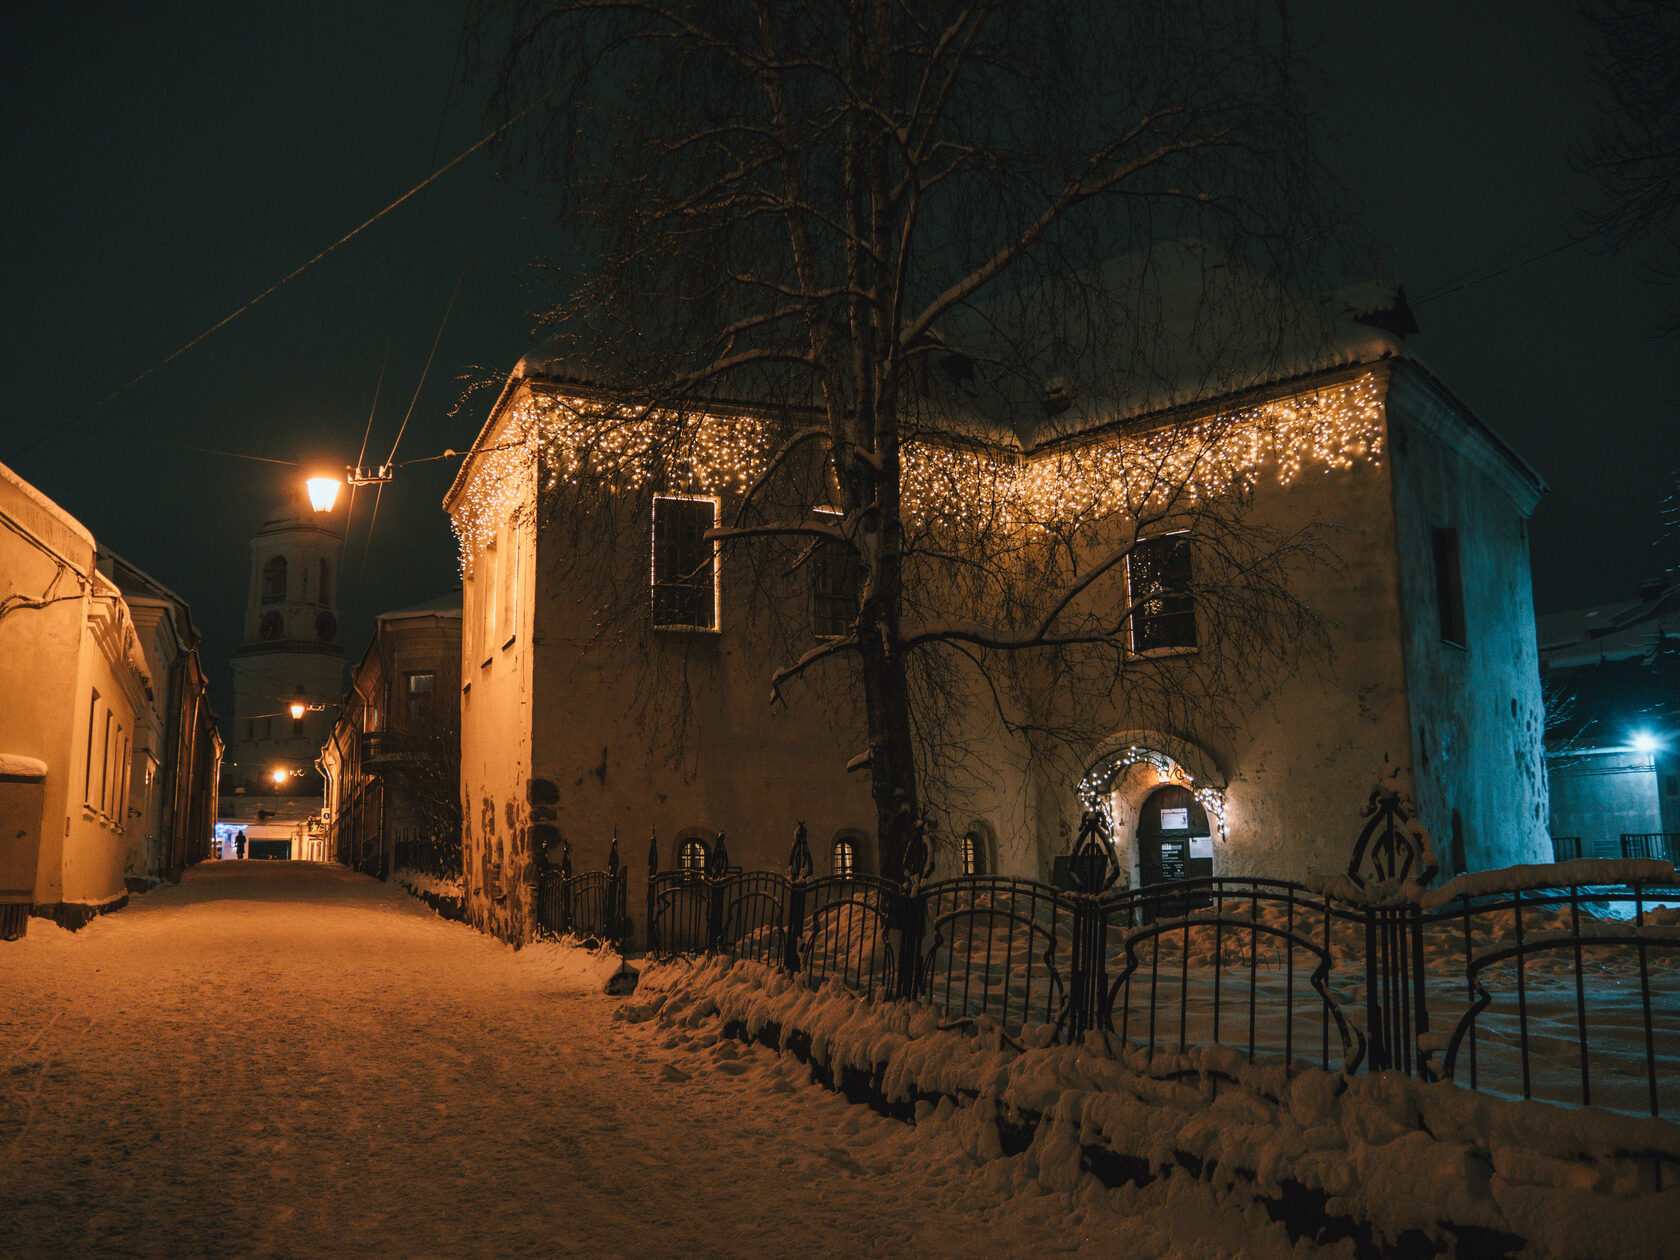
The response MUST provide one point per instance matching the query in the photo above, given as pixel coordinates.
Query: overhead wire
(288, 277)
(408, 259)
(1472, 279)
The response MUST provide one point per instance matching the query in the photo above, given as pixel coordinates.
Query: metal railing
(1568, 993)
(1664, 846)
(591, 905)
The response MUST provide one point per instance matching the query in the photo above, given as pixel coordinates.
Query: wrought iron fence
(430, 853)
(1569, 993)
(591, 905)
(1664, 846)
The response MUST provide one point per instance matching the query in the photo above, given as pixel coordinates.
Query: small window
(691, 855)
(684, 564)
(93, 730)
(488, 565)
(973, 851)
(105, 764)
(1163, 609)
(510, 583)
(836, 577)
(845, 858)
(1449, 588)
(274, 581)
(420, 688)
(125, 759)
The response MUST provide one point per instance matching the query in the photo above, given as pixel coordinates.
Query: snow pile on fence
(1379, 1155)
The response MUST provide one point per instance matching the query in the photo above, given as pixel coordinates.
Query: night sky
(161, 172)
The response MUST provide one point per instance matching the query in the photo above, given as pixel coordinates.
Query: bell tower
(290, 654)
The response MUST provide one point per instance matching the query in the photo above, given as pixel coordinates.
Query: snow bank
(1379, 1155)
(567, 963)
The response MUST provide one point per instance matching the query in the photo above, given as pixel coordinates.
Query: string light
(945, 483)
(1098, 782)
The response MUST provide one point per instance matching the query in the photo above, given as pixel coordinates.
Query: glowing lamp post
(298, 709)
(278, 775)
(323, 492)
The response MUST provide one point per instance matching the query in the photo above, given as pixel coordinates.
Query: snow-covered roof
(1624, 630)
(1170, 330)
(443, 606)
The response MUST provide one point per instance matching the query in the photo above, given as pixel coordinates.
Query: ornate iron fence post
(652, 879)
(1093, 869)
(717, 866)
(910, 911)
(1391, 861)
(613, 912)
(560, 896)
(800, 869)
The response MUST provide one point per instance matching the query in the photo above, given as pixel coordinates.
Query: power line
(145, 440)
(1473, 279)
(291, 275)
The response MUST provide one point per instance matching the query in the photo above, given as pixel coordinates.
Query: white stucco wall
(1477, 719)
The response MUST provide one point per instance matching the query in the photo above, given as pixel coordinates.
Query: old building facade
(621, 697)
(1612, 674)
(391, 763)
(109, 753)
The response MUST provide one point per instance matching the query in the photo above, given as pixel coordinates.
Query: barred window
(684, 564)
(971, 861)
(836, 577)
(1163, 609)
(691, 855)
(845, 858)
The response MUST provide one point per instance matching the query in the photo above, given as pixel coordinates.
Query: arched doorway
(1174, 840)
(1167, 808)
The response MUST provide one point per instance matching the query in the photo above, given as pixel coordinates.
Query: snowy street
(284, 1059)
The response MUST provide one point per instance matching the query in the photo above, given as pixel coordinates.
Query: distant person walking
(239, 845)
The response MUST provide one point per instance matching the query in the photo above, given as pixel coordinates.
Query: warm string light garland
(966, 485)
(1094, 788)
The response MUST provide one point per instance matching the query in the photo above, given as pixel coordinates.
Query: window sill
(1160, 653)
(718, 630)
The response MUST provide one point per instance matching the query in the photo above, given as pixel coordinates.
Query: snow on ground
(278, 1059)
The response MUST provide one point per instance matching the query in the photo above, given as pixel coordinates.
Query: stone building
(108, 749)
(392, 762)
(1612, 674)
(289, 656)
(631, 693)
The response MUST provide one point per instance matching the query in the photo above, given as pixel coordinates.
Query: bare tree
(1634, 153)
(898, 230)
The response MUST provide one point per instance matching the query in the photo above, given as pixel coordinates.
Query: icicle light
(958, 485)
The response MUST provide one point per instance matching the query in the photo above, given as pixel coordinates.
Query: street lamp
(1645, 742)
(298, 709)
(278, 775)
(323, 492)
